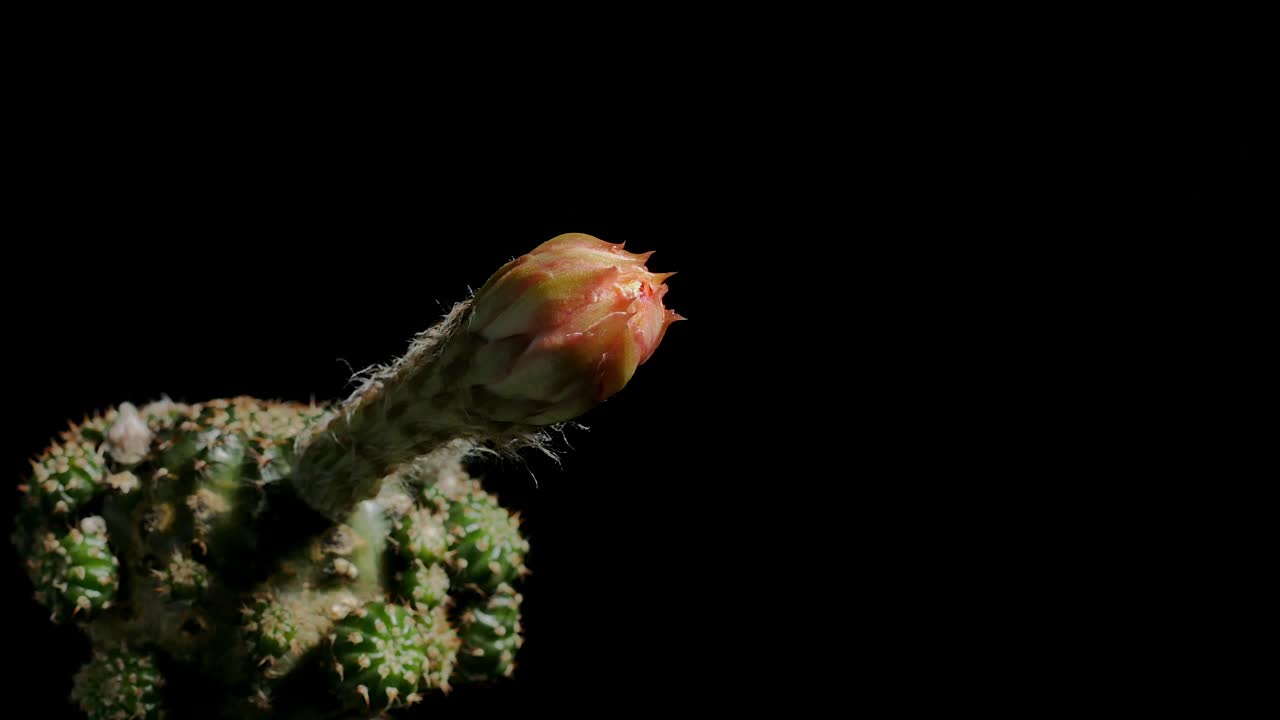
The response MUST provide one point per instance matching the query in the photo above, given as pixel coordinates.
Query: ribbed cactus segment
(487, 547)
(66, 476)
(449, 490)
(442, 648)
(78, 572)
(224, 451)
(280, 628)
(224, 439)
(252, 546)
(118, 685)
(270, 627)
(424, 587)
(421, 535)
(385, 655)
(491, 637)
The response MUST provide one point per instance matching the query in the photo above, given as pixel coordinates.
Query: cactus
(318, 560)
(78, 570)
(117, 684)
(488, 550)
(384, 654)
(491, 635)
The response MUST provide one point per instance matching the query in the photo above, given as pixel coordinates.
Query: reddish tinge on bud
(565, 327)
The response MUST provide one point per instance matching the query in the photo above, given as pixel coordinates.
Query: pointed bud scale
(564, 327)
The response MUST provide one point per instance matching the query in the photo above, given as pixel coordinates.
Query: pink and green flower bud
(564, 327)
(551, 335)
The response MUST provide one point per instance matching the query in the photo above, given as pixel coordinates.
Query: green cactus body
(261, 547)
(386, 655)
(67, 476)
(421, 534)
(424, 587)
(282, 628)
(119, 684)
(491, 636)
(441, 497)
(488, 549)
(271, 628)
(78, 571)
(215, 459)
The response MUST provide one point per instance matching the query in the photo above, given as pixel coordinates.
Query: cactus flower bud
(565, 327)
(551, 335)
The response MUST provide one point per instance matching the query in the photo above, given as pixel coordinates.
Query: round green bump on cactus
(385, 655)
(425, 587)
(118, 685)
(79, 573)
(488, 549)
(221, 454)
(442, 647)
(421, 535)
(269, 626)
(491, 636)
(66, 477)
(452, 489)
(183, 579)
(282, 628)
(226, 439)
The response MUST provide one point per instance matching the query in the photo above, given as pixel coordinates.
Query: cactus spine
(263, 547)
(117, 684)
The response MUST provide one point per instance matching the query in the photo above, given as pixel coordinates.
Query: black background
(850, 460)
(253, 262)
